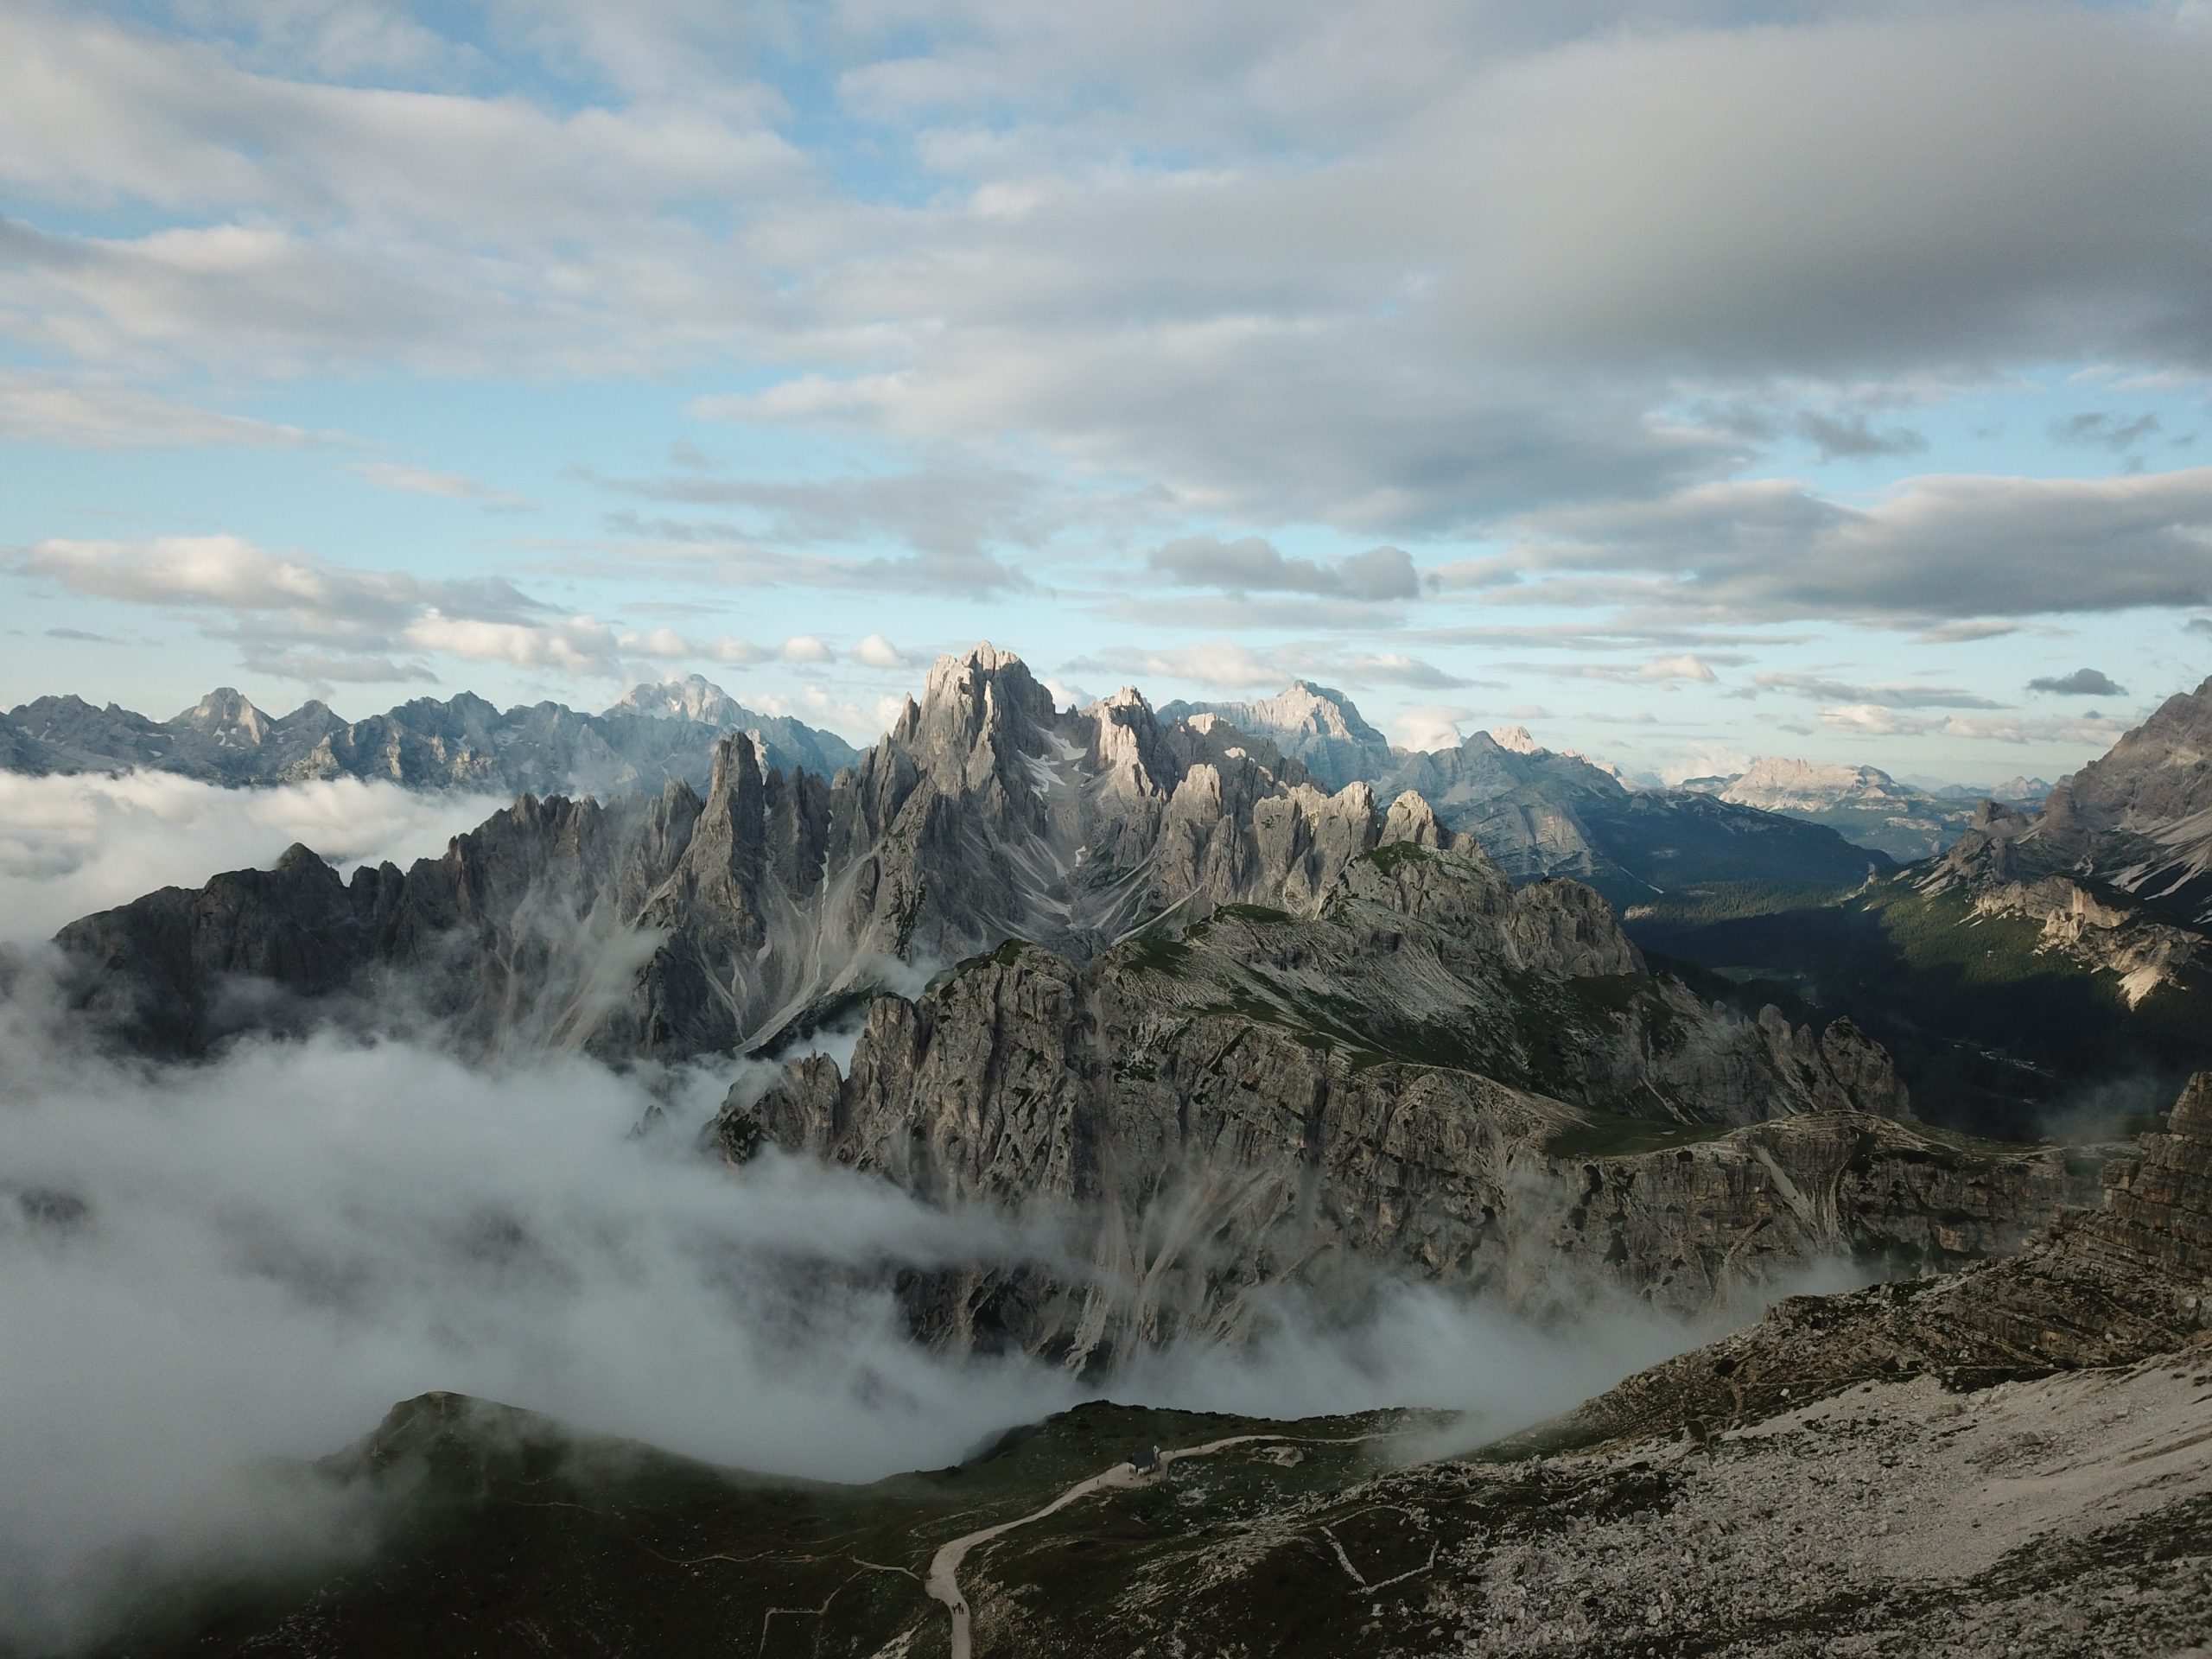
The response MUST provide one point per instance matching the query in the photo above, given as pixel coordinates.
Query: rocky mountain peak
(226, 714)
(980, 712)
(2158, 773)
(1514, 738)
(695, 698)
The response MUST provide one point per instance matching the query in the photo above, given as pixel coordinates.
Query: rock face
(1434, 1074)
(2109, 1288)
(2116, 867)
(654, 734)
(1540, 813)
(1314, 725)
(1237, 1033)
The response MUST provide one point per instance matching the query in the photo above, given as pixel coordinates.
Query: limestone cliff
(1434, 1074)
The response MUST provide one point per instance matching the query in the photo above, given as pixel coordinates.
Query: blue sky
(1684, 381)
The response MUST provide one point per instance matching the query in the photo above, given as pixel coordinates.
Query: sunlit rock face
(2115, 867)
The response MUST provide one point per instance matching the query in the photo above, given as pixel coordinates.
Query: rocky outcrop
(2002, 866)
(2135, 823)
(2156, 1217)
(1314, 725)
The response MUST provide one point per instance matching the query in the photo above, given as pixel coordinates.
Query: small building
(1145, 1460)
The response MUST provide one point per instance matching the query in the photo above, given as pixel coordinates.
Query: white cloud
(450, 486)
(1875, 720)
(805, 648)
(1429, 726)
(1677, 668)
(876, 652)
(579, 645)
(90, 414)
(1230, 665)
(72, 845)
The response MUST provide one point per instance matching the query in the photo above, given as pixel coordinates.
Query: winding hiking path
(944, 1581)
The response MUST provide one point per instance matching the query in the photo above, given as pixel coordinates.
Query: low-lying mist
(204, 1268)
(72, 845)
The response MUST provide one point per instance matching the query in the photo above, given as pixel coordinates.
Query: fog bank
(72, 845)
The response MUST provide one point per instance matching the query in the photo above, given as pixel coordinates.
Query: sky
(1685, 381)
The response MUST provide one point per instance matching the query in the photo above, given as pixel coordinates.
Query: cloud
(90, 414)
(2106, 431)
(72, 845)
(83, 636)
(2082, 683)
(1821, 689)
(706, 549)
(1429, 726)
(2199, 624)
(1852, 437)
(1229, 664)
(876, 652)
(1682, 666)
(229, 574)
(324, 668)
(1945, 546)
(579, 645)
(302, 618)
(805, 648)
(432, 229)
(955, 509)
(1964, 632)
(1253, 564)
(1677, 668)
(1877, 721)
(450, 486)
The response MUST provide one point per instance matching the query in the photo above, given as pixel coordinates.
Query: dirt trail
(943, 1582)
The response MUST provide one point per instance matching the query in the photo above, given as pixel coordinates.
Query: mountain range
(1167, 976)
(652, 734)
(1865, 805)
(1539, 812)
(1133, 984)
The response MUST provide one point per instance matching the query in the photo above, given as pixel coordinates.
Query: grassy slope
(511, 1535)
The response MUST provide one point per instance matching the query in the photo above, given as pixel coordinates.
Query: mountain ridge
(464, 742)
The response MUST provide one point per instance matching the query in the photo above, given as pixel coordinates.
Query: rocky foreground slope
(2006, 1459)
